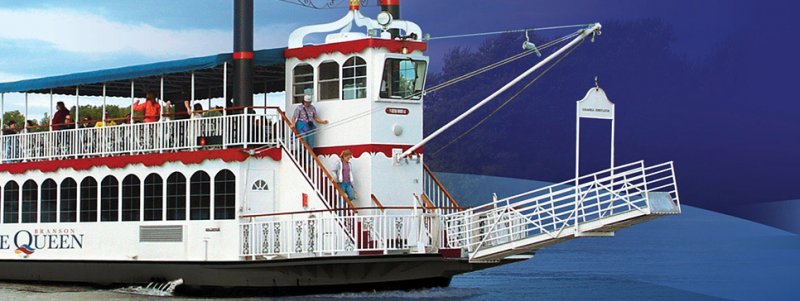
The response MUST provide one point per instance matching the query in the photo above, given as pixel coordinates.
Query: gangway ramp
(596, 204)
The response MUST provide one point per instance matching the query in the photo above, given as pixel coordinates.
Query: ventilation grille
(160, 233)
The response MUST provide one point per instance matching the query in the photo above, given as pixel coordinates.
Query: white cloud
(86, 33)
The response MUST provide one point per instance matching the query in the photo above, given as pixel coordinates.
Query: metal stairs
(597, 204)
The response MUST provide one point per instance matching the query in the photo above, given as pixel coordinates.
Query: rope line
(507, 31)
(508, 100)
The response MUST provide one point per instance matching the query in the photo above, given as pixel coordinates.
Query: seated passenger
(11, 143)
(104, 122)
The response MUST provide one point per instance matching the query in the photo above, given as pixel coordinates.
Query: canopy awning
(208, 70)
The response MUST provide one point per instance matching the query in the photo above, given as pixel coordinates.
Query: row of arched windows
(352, 77)
(131, 200)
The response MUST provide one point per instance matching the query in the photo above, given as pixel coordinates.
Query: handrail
(310, 151)
(441, 187)
(426, 201)
(375, 200)
(331, 210)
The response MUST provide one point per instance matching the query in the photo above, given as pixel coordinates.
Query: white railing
(326, 234)
(435, 192)
(548, 212)
(246, 129)
(315, 172)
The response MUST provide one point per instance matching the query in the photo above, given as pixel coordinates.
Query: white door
(260, 191)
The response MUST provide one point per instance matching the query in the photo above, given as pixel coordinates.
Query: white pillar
(132, 96)
(50, 122)
(225, 87)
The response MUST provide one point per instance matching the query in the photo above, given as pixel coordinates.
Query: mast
(243, 53)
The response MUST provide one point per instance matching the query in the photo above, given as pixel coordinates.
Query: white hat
(307, 98)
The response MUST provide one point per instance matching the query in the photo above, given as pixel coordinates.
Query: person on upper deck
(198, 111)
(11, 128)
(11, 144)
(151, 108)
(303, 119)
(60, 117)
(105, 122)
(344, 174)
(182, 107)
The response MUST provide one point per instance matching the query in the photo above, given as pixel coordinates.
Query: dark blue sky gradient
(709, 84)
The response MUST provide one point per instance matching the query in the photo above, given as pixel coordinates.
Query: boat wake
(446, 293)
(160, 289)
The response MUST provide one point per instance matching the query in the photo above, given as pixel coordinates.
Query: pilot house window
(403, 79)
(303, 76)
(354, 78)
(328, 81)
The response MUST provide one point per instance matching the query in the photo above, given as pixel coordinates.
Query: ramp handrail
(551, 210)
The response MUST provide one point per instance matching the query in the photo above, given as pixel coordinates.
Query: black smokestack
(243, 53)
(393, 7)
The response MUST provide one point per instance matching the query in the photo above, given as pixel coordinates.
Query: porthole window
(225, 195)
(109, 199)
(176, 197)
(131, 191)
(11, 203)
(200, 196)
(69, 201)
(48, 211)
(30, 200)
(153, 197)
(89, 200)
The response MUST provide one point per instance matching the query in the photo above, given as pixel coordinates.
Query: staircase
(312, 169)
(597, 204)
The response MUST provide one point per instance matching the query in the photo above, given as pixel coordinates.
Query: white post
(25, 117)
(577, 161)
(132, 101)
(77, 118)
(584, 33)
(192, 87)
(225, 88)
(161, 130)
(103, 131)
(50, 122)
(163, 100)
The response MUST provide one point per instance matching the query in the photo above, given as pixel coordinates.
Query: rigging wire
(506, 31)
(495, 65)
(507, 101)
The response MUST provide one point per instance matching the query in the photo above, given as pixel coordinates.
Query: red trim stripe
(357, 46)
(244, 55)
(195, 157)
(358, 150)
(390, 2)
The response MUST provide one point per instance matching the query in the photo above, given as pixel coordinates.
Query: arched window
(200, 196)
(109, 199)
(49, 201)
(11, 203)
(354, 78)
(89, 200)
(130, 198)
(224, 195)
(303, 84)
(30, 200)
(69, 201)
(176, 197)
(329, 80)
(153, 197)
